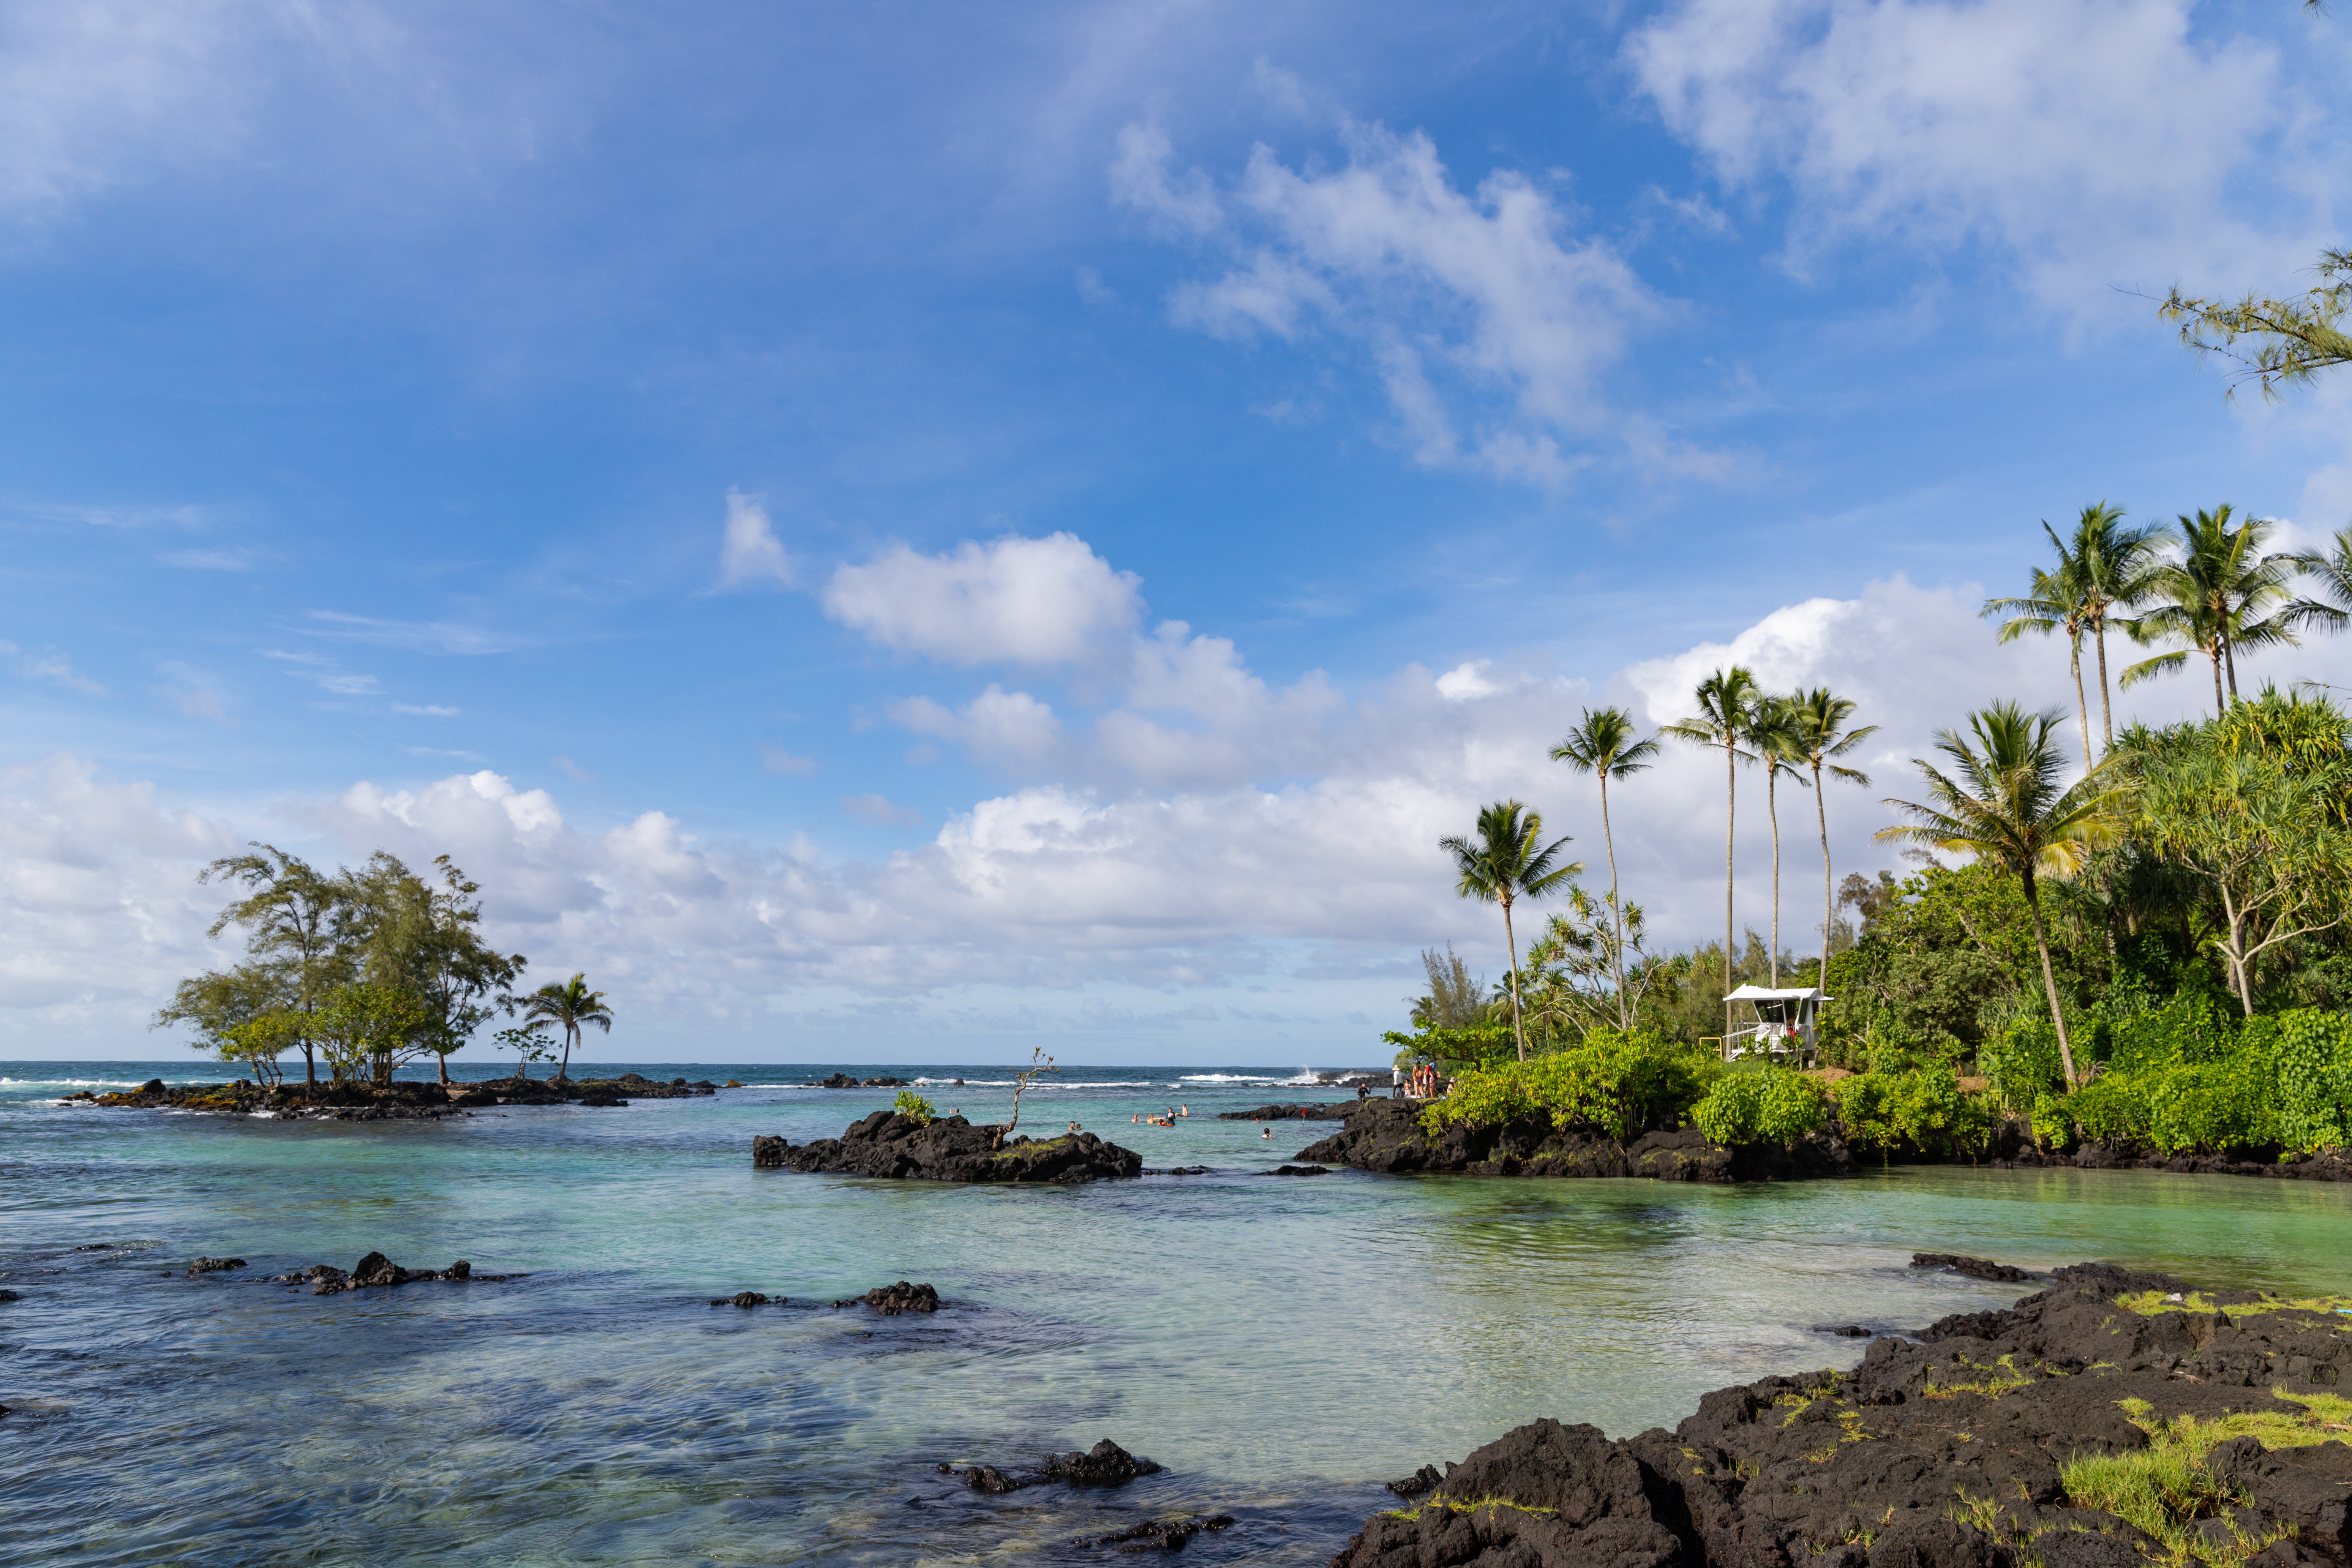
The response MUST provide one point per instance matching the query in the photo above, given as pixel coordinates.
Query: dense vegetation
(2148, 944)
(364, 971)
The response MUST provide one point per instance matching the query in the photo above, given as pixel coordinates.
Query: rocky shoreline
(401, 1101)
(1386, 1136)
(2115, 1419)
(890, 1145)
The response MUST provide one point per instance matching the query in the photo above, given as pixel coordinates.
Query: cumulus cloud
(1011, 601)
(1295, 875)
(2094, 142)
(1487, 321)
(749, 552)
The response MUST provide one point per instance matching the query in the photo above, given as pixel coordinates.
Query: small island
(893, 1143)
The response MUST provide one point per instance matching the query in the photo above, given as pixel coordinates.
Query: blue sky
(919, 534)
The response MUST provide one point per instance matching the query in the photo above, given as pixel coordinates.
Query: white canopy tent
(1779, 1023)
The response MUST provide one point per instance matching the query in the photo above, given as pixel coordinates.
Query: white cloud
(208, 560)
(194, 692)
(1488, 322)
(777, 760)
(1209, 837)
(325, 673)
(2094, 143)
(879, 812)
(53, 667)
(419, 636)
(426, 709)
(750, 551)
(1011, 601)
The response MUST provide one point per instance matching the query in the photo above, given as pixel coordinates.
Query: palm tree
(2332, 568)
(1772, 736)
(2119, 568)
(572, 1007)
(1603, 744)
(2107, 567)
(1818, 718)
(2215, 599)
(1723, 699)
(1508, 862)
(2005, 807)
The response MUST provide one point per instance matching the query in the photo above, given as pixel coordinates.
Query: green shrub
(1924, 1109)
(1760, 1105)
(2314, 1068)
(2022, 1061)
(1615, 1084)
(914, 1108)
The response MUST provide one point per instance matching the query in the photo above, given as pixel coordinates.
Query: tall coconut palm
(1772, 738)
(1509, 861)
(1723, 699)
(2331, 571)
(2002, 804)
(2218, 598)
(2119, 568)
(2105, 568)
(1603, 744)
(1819, 719)
(572, 1007)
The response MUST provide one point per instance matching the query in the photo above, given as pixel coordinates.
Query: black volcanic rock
(1333, 1112)
(1104, 1465)
(1941, 1454)
(889, 1144)
(1974, 1267)
(1386, 1135)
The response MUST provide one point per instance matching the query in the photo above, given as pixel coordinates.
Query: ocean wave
(70, 1083)
(1237, 1077)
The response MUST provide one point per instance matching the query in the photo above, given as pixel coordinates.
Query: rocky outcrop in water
(214, 1265)
(1974, 1267)
(1959, 1449)
(892, 1299)
(1104, 1465)
(400, 1100)
(843, 1081)
(889, 1144)
(1159, 1534)
(1386, 1135)
(375, 1271)
(1336, 1111)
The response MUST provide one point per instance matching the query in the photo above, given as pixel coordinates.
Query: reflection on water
(1282, 1345)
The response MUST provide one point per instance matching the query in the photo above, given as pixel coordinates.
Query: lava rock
(1165, 1534)
(10, 1296)
(214, 1265)
(767, 1152)
(1180, 1170)
(885, 1083)
(1302, 1171)
(892, 1299)
(1974, 1267)
(1420, 1481)
(1859, 1469)
(1387, 1136)
(890, 1145)
(375, 1271)
(838, 1080)
(1104, 1465)
(1302, 1113)
(746, 1299)
(1842, 1331)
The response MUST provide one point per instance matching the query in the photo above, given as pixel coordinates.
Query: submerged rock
(1936, 1453)
(375, 1271)
(214, 1265)
(889, 1144)
(1166, 1534)
(746, 1299)
(892, 1299)
(1104, 1465)
(1302, 1171)
(1975, 1267)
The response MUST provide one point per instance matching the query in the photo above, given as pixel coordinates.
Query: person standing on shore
(1396, 1083)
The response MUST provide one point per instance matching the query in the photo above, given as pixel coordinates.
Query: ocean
(1281, 1346)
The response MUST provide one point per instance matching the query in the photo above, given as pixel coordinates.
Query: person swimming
(1267, 1133)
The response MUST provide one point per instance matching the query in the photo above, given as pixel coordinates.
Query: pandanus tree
(1604, 743)
(1818, 720)
(570, 1007)
(2002, 802)
(1724, 700)
(2222, 594)
(1506, 861)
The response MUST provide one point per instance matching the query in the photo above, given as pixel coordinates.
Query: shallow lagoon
(1282, 1345)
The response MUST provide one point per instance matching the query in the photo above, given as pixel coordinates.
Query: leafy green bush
(2022, 1061)
(2188, 1077)
(914, 1108)
(1761, 1105)
(1458, 1050)
(1924, 1109)
(1615, 1084)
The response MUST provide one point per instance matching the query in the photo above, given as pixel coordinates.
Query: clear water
(1282, 1345)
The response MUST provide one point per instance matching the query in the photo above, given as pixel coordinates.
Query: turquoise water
(1282, 1345)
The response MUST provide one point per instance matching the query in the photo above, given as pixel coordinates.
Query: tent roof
(1766, 993)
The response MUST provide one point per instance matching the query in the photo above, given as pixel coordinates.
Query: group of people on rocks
(1421, 1083)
